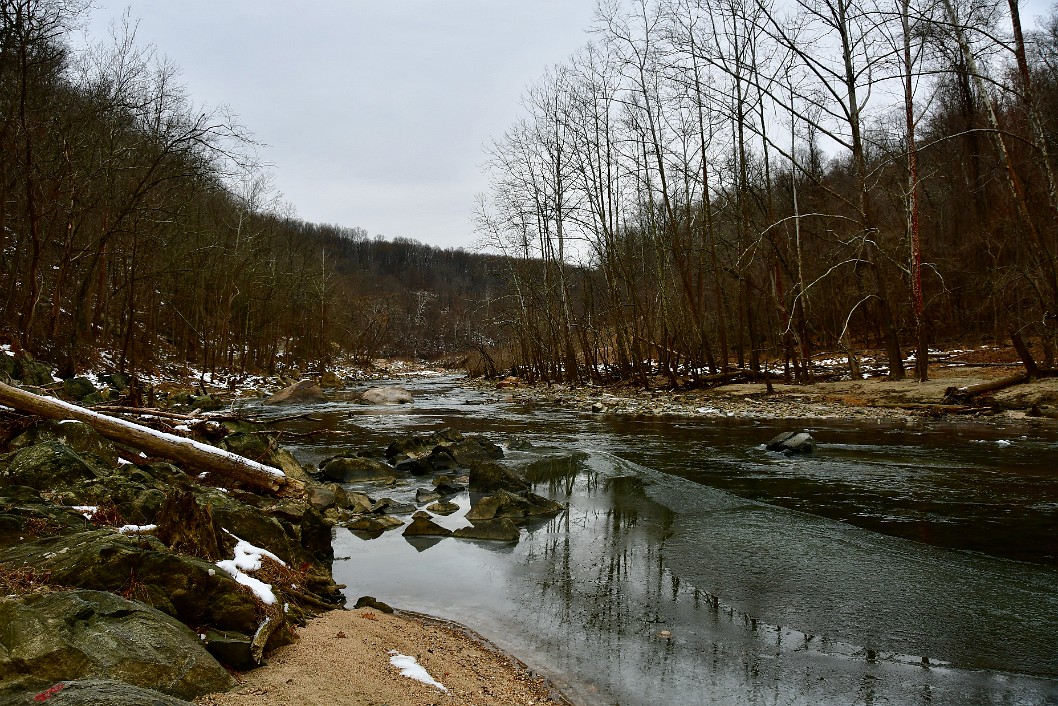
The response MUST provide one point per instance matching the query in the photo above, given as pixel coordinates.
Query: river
(899, 564)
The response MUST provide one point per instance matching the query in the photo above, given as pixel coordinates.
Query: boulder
(77, 436)
(487, 477)
(26, 516)
(504, 504)
(349, 469)
(792, 442)
(330, 379)
(501, 530)
(70, 635)
(78, 388)
(386, 395)
(302, 392)
(192, 590)
(422, 526)
(50, 467)
(94, 692)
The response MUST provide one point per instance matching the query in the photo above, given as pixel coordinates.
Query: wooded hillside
(134, 221)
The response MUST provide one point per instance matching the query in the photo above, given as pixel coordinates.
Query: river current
(899, 564)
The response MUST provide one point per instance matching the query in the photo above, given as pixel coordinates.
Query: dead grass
(20, 582)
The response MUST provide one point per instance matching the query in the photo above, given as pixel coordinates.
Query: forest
(138, 224)
(746, 183)
(707, 186)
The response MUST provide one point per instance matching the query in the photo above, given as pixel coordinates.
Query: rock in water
(501, 530)
(423, 526)
(792, 442)
(304, 391)
(386, 395)
(347, 469)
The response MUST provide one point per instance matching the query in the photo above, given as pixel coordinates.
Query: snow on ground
(411, 669)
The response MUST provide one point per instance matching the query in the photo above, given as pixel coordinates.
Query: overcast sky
(375, 114)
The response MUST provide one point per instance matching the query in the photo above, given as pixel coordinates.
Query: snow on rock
(248, 558)
(1004, 443)
(88, 511)
(136, 529)
(409, 667)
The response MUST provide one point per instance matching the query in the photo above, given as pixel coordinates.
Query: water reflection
(666, 582)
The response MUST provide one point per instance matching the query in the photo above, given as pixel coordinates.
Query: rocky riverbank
(127, 579)
(874, 398)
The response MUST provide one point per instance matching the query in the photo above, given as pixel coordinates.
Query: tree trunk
(194, 456)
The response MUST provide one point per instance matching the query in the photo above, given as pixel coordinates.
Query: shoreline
(871, 399)
(342, 658)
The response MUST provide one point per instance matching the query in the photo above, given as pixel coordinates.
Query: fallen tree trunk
(192, 455)
(956, 395)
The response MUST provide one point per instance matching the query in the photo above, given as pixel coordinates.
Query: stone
(330, 379)
(349, 469)
(76, 435)
(231, 648)
(192, 590)
(443, 508)
(51, 467)
(372, 602)
(423, 526)
(487, 477)
(504, 504)
(501, 530)
(792, 442)
(68, 635)
(78, 388)
(445, 485)
(373, 524)
(94, 692)
(386, 396)
(426, 496)
(305, 391)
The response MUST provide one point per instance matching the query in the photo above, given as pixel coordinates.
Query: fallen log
(957, 395)
(192, 454)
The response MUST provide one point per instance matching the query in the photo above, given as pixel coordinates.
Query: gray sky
(375, 114)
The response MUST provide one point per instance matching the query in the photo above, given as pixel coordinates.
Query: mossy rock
(78, 388)
(69, 635)
(78, 436)
(192, 590)
(488, 477)
(50, 466)
(92, 692)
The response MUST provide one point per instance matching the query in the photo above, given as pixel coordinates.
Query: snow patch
(1004, 443)
(88, 511)
(409, 667)
(248, 558)
(136, 529)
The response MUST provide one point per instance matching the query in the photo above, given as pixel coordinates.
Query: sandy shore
(343, 659)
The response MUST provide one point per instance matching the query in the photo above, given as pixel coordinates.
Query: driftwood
(930, 407)
(962, 395)
(191, 454)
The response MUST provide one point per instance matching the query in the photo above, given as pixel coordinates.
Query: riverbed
(900, 563)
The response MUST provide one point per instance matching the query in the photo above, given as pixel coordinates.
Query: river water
(899, 564)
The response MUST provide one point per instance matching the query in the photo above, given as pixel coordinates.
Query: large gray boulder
(51, 637)
(386, 395)
(300, 392)
(792, 442)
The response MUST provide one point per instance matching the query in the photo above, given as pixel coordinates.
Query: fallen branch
(187, 452)
(957, 395)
